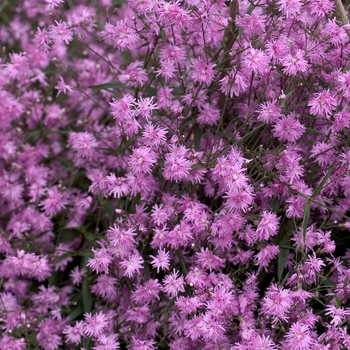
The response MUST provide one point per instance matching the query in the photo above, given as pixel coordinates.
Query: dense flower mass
(174, 175)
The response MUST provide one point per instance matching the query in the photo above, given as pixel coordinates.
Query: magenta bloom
(288, 128)
(294, 64)
(173, 284)
(268, 225)
(323, 104)
(256, 61)
(298, 337)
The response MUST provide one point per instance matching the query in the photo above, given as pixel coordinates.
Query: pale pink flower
(298, 337)
(290, 8)
(203, 72)
(266, 255)
(173, 284)
(323, 104)
(288, 128)
(161, 260)
(74, 333)
(94, 324)
(295, 63)
(62, 86)
(132, 265)
(61, 32)
(268, 225)
(256, 60)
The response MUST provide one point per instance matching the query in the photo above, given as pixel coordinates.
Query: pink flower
(144, 107)
(298, 337)
(83, 143)
(176, 166)
(62, 87)
(207, 260)
(74, 334)
(323, 104)
(290, 8)
(294, 64)
(61, 33)
(344, 80)
(269, 112)
(138, 344)
(203, 72)
(132, 265)
(54, 202)
(122, 109)
(167, 69)
(51, 4)
(266, 255)
(256, 60)
(338, 314)
(337, 35)
(100, 261)
(154, 136)
(161, 260)
(105, 287)
(8, 342)
(263, 342)
(148, 292)
(234, 83)
(107, 342)
(124, 35)
(208, 115)
(276, 303)
(288, 128)
(142, 160)
(268, 226)
(173, 284)
(188, 305)
(239, 199)
(321, 8)
(211, 329)
(251, 24)
(117, 186)
(95, 324)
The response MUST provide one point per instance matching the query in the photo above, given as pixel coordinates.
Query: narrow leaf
(86, 294)
(182, 262)
(320, 186)
(111, 85)
(306, 217)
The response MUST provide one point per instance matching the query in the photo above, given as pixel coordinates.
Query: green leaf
(320, 186)
(282, 258)
(313, 131)
(275, 204)
(86, 294)
(250, 9)
(32, 341)
(112, 85)
(197, 137)
(76, 313)
(66, 235)
(64, 256)
(87, 254)
(163, 36)
(149, 91)
(146, 270)
(182, 262)
(306, 217)
(284, 245)
(179, 91)
(109, 209)
(283, 101)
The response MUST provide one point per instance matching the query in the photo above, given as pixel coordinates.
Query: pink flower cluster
(174, 174)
